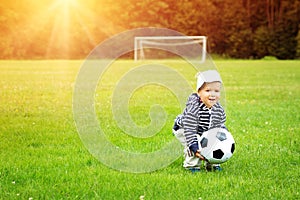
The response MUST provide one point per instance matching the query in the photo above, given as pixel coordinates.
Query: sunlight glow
(62, 24)
(60, 27)
(67, 2)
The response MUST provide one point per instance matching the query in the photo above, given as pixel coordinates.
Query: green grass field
(42, 156)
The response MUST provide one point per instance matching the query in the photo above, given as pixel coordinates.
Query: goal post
(168, 42)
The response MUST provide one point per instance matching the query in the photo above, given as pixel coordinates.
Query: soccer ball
(216, 145)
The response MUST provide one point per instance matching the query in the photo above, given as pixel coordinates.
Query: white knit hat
(207, 77)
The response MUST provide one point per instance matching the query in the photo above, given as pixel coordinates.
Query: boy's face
(210, 93)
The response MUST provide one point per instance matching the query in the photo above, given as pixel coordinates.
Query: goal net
(170, 47)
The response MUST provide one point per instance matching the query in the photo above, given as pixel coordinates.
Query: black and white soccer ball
(217, 145)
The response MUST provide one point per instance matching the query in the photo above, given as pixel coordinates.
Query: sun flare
(67, 15)
(65, 28)
(66, 2)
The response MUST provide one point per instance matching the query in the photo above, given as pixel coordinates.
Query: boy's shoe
(209, 167)
(217, 168)
(194, 170)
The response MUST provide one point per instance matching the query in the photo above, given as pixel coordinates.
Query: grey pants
(190, 160)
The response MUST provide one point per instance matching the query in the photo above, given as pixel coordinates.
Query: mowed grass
(42, 156)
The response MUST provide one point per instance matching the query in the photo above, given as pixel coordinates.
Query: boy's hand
(198, 155)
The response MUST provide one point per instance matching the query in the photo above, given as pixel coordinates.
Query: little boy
(202, 112)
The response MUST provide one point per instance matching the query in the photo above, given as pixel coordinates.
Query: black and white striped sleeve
(190, 123)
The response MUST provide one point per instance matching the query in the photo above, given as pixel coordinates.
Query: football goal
(170, 47)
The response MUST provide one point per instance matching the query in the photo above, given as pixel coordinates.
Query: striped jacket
(197, 118)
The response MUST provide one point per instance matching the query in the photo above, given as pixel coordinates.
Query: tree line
(52, 29)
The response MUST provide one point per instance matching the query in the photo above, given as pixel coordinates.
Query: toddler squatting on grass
(202, 112)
